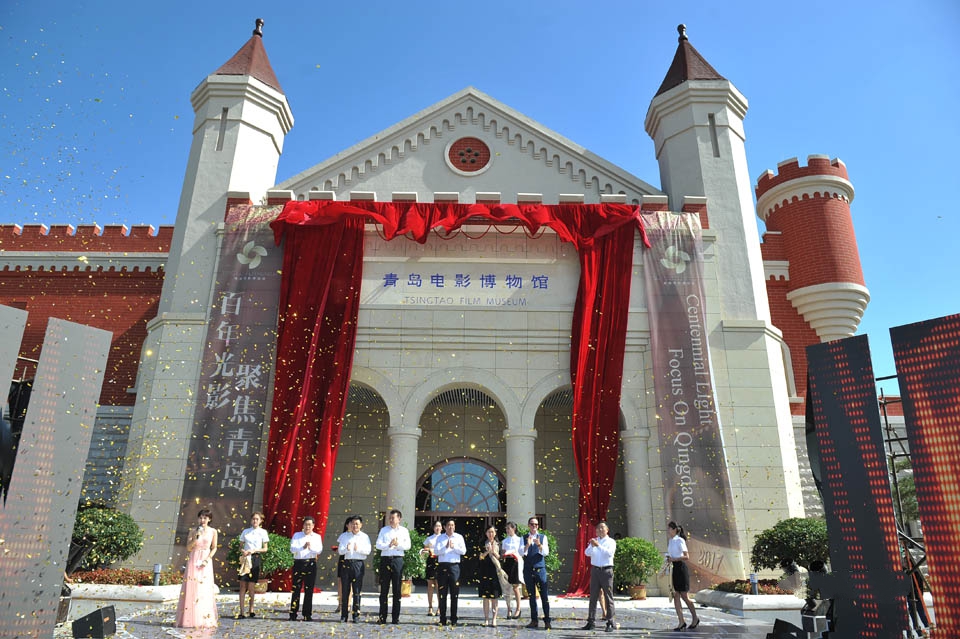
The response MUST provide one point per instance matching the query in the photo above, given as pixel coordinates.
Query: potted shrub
(797, 540)
(277, 558)
(634, 562)
(104, 536)
(414, 563)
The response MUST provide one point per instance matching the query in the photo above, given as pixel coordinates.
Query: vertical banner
(866, 581)
(696, 483)
(927, 355)
(232, 396)
(36, 523)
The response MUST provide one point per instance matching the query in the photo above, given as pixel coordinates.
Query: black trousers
(351, 578)
(304, 578)
(391, 573)
(448, 583)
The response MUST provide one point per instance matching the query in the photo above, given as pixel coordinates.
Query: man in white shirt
(305, 546)
(600, 550)
(449, 548)
(354, 546)
(392, 542)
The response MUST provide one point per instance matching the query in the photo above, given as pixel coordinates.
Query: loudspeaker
(99, 624)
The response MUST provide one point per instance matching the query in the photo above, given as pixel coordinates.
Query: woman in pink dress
(197, 607)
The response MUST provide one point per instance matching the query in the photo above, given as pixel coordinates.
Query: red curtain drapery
(319, 301)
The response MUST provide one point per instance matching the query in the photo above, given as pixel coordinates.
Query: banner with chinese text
(228, 425)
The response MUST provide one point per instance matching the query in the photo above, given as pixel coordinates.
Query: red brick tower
(814, 279)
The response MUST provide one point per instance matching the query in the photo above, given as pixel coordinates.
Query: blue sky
(95, 118)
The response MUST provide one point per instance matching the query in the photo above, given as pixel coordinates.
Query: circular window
(468, 156)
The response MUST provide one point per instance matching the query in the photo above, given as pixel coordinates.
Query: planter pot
(638, 592)
(406, 587)
(261, 586)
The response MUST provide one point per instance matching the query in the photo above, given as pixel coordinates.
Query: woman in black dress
(679, 555)
(489, 588)
(428, 544)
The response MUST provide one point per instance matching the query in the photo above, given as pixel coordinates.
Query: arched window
(462, 486)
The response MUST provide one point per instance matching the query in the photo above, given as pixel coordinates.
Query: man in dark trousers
(305, 546)
(449, 548)
(353, 546)
(392, 542)
(535, 549)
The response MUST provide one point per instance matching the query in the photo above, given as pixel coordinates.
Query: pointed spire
(687, 64)
(252, 60)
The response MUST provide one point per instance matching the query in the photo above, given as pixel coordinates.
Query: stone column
(636, 482)
(521, 474)
(402, 471)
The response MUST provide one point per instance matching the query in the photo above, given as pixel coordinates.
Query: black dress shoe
(546, 624)
(381, 621)
(308, 618)
(609, 627)
(589, 626)
(293, 617)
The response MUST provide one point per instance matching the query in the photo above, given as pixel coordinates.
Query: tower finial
(682, 30)
(259, 30)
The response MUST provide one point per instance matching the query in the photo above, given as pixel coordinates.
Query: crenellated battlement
(791, 170)
(85, 238)
(821, 178)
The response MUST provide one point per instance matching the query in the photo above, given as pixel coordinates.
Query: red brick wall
(118, 301)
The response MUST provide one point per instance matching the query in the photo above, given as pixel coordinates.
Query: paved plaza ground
(651, 618)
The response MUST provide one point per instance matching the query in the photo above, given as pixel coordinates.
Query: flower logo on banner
(675, 259)
(251, 254)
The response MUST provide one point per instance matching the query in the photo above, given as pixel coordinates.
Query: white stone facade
(512, 344)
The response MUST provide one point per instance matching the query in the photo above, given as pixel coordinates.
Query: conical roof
(252, 60)
(687, 64)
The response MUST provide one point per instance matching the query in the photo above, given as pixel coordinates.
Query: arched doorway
(469, 491)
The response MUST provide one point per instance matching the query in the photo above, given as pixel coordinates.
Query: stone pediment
(422, 155)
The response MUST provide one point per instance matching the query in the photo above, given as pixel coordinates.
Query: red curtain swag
(319, 302)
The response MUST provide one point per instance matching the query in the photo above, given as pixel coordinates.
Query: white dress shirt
(254, 538)
(298, 541)
(601, 555)
(450, 555)
(354, 546)
(387, 535)
(676, 547)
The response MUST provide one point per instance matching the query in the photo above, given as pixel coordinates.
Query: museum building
(462, 396)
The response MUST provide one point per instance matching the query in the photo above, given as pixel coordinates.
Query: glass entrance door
(472, 494)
